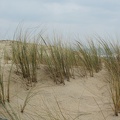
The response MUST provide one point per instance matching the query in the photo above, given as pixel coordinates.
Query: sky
(65, 17)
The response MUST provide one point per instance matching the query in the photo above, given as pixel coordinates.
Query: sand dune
(83, 98)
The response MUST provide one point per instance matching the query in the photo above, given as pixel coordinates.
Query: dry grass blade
(2, 91)
(112, 63)
(25, 55)
(59, 60)
(89, 57)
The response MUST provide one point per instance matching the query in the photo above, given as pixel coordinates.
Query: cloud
(48, 12)
(70, 15)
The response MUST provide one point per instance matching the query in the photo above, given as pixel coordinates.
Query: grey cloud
(86, 14)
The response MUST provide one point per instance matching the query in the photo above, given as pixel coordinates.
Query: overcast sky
(65, 16)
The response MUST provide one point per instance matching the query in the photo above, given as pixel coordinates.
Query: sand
(83, 98)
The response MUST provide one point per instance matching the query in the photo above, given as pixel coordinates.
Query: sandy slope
(81, 98)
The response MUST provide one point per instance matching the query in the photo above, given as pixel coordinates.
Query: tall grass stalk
(89, 57)
(2, 91)
(96, 56)
(31, 93)
(8, 85)
(25, 55)
(59, 60)
(112, 63)
(34, 61)
(10, 112)
(26, 100)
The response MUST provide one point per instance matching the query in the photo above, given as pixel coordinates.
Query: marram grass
(60, 60)
(112, 63)
(25, 56)
(89, 57)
